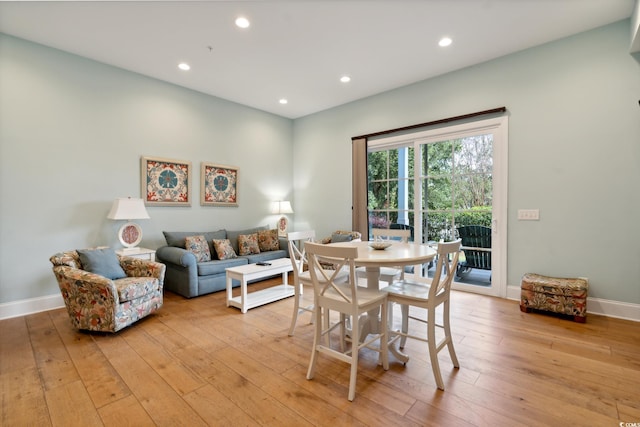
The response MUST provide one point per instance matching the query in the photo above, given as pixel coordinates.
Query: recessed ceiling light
(184, 66)
(283, 101)
(242, 22)
(445, 41)
(345, 79)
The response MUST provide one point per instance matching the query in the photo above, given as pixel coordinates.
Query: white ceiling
(299, 49)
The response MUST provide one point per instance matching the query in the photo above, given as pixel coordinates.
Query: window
(390, 187)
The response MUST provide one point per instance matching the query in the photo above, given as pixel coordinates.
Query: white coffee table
(246, 273)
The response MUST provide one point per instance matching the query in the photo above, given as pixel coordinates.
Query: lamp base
(130, 234)
(282, 225)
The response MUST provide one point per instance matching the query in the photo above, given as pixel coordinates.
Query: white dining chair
(429, 296)
(351, 301)
(296, 242)
(387, 274)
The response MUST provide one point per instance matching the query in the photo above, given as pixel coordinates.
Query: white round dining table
(398, 254)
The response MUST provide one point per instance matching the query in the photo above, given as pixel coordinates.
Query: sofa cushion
(224, 249)
(177, 238)
(266, 256)
(199, 247)
(248, 244)
(219, 266)
(268, 240)
(102, 261)
(233, 235)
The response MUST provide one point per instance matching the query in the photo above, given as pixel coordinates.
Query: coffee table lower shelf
(262, 297)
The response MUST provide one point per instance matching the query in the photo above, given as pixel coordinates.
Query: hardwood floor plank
(628, 410)
(554, 364)
(198, 362)
(325, 391)
(248, 396)
(584, 398)
(52, 358)
(529, 400)
(182, 379)
(270, 353)
(102, 382)
(287, 391)
(23, 400)
(429, 415)
(416, 381)
(69, 404)
(15, 347)
(161, 402)
(218, 409)
(125, 412)
(515, 410)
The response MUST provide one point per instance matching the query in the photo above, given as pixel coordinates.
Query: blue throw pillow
(336, 238)
(101, 261)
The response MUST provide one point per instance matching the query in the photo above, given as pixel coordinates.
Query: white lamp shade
(281, 207)
(128, 208)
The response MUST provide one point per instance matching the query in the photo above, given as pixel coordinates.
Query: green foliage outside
(456, 180)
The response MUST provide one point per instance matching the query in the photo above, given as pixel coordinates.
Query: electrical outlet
(529, 214)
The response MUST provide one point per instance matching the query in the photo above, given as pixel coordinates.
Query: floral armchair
(98, 303)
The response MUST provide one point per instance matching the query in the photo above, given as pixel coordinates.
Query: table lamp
(130, 234)
(282, 207)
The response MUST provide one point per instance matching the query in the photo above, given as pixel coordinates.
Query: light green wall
(72, 132)
(574, 153)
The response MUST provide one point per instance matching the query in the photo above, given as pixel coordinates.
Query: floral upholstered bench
(553, 294)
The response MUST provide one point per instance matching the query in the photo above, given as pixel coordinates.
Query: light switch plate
(529, 214)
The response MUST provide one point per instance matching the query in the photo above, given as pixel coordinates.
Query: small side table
(140, 253)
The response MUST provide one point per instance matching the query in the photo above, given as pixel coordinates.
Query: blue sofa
(189, 278)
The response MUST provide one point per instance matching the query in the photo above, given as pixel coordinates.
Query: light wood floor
(197, 362)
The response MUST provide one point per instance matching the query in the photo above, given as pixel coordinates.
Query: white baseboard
(604, 307)
(30, 306)
(620, 310)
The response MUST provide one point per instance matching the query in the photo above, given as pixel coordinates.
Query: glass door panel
(457, 192)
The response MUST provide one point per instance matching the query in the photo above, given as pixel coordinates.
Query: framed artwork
(165, 182)
(218, 185)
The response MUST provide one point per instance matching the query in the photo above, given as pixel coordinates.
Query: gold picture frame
(165, 182)
(218, 185)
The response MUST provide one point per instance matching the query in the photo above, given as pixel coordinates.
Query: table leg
(371, 325)
(370, 322)
(229, 287)
(243, 294)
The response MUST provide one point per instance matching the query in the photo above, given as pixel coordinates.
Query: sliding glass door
(446, 184)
